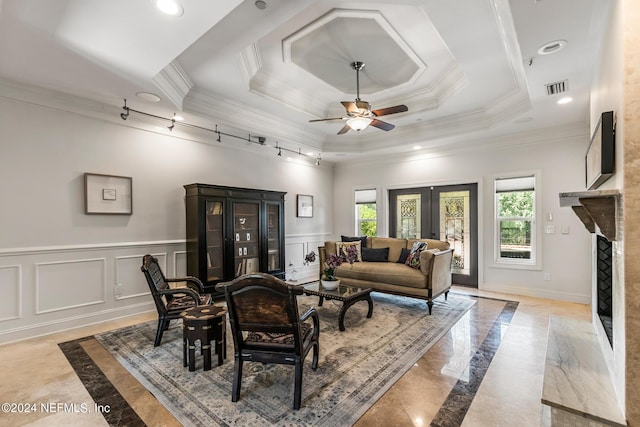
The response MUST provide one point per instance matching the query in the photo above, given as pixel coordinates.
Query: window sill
(515, 266)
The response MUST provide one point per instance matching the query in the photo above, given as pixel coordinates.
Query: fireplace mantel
(596, 209)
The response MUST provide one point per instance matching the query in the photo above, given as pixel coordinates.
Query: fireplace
(604, 284)
(598, 210)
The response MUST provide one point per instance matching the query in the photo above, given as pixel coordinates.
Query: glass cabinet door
(273, 237)
(246, 237)
(214, 240)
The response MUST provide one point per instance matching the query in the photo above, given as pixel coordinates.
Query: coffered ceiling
(469, 71)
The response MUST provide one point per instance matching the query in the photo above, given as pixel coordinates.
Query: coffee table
(348, 294)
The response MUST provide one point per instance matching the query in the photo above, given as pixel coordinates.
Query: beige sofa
(432, 279)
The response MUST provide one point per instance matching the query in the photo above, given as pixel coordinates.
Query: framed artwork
(305, 206)
(107, 194)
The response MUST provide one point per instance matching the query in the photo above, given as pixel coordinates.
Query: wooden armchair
(170, 302)
(266, 326)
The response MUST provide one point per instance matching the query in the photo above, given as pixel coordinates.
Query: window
(366, 214)
(515, 220)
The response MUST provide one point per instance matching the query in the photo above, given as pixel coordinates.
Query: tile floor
(486, 372)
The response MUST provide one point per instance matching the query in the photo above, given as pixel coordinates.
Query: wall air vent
(557, 87)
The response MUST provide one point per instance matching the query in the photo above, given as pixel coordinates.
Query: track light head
(318, 161)
(126, 111)
(279, 151)
(172, 125)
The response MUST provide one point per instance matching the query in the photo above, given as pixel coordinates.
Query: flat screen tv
(600, 157)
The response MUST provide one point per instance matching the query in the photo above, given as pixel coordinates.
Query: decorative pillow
(375, 255)
(342, 250)
(413, 260)
(362, 240)
(403, 256)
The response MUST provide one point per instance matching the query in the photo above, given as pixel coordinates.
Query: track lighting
(177, 120)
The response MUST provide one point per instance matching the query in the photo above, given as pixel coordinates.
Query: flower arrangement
(334, 260)
(309, 258)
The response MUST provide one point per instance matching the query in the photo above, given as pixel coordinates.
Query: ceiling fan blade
(350, 106)
(381, 125)
(344, 130)
(390, 110)
(327, 119)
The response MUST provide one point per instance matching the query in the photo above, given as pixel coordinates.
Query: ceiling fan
(359, 113)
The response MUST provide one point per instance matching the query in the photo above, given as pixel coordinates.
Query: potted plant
(329, 280)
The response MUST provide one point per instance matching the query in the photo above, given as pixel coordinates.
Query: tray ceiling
(467, 70)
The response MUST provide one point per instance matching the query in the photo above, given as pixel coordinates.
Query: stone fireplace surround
(580, 372)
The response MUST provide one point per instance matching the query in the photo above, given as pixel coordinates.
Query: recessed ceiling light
(260, 4)
(151, 97)
(552, 47)
(416, 147)
(310, 153)
(170, 7)
(565, 100)
(178, 118)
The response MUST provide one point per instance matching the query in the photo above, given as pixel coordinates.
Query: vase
(330, 285)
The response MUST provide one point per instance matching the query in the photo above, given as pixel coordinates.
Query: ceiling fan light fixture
(359, 123)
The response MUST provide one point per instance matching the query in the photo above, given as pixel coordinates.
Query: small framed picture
(107, 194)
(237, 237)
(248, 236)
(304, 206)
(244, 251)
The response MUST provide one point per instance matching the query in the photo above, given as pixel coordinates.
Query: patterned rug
(356, 366)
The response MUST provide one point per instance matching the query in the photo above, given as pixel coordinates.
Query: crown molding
(174, 83)
(455, 146)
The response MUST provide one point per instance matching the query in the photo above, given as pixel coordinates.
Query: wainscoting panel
(180, 263)
(11, 291)
(130, 282)
(52, 289)
(63, 285)
(297, 247)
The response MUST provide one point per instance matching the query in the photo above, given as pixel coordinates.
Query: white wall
(60, 268)
(566, 257)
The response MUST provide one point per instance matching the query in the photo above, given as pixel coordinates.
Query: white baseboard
(69, 323)
(537, 293)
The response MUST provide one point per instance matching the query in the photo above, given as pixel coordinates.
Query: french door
(449, 213)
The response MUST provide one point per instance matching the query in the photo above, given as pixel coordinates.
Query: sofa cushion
(375, 254)
(432, 243)
(395, 245)
(413, 260)
(403, 255)
(384, 272)
(342, 249)
(362, 240)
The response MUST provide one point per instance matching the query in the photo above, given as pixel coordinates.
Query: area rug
(356, 366)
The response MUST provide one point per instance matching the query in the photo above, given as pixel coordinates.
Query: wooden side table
(205, 323)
